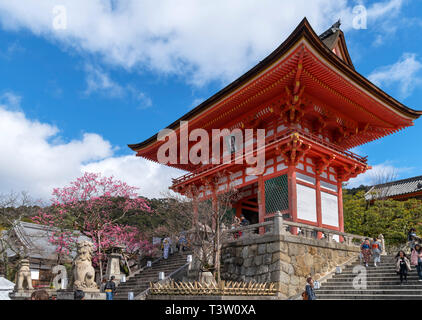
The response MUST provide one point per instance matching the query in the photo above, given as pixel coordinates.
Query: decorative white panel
(270, 133)
(236, 175)
(281, 128)
(329, 209)
(281, 167)
(305, 178)
(250, 178)
(269, 171)
(306, 203)
(237, 182)
(270, 162)
(328, 186)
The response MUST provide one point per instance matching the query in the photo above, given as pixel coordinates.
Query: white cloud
(153, 179)
(200, 40)
(380, 173)
(404, 73)
(99, 81)
(10, 99)
(196, 102)
(34, 158)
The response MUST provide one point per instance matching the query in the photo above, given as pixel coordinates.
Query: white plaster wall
(329, 209)
(306, 203)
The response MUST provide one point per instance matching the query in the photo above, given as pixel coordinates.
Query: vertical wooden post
(340, 205)
(261, 201)
(291, 178)
(340, 208)
(318, 204)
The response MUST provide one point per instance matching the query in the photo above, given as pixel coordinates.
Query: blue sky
(71, 99)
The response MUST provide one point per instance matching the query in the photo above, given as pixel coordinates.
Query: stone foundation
(284, 259)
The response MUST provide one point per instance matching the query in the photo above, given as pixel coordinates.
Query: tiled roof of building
(330, 36)
(35, 239)
(395, 188)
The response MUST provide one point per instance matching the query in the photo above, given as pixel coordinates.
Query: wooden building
(314, 107)
(403, 190)
(33, 240)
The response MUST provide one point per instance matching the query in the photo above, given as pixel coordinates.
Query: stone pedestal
(113, 267)
(21, 294)
(69, 295)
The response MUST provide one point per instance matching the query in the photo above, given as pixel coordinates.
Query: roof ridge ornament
(336, 26)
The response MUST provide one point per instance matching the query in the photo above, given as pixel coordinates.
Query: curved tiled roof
(323, 45)
(395, 188)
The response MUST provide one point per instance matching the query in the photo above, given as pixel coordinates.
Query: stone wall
(285, 259)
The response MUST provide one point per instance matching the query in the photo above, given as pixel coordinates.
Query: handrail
(250, 227)
(144, 293)
(278, 227)
(320, 229)
(143, 268)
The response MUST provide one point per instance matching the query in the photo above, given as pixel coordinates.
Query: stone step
(372, 292)
(375, 274)
(372, 283)
(140, 282)
(395, 278)
(375, 287)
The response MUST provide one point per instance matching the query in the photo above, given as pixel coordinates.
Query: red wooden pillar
(340, 206)
(238, 210)
(261, 201)
(291, 178)
(318, 204)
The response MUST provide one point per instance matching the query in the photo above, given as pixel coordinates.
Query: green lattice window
(276, 194)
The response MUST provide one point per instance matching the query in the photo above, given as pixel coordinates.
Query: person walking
(416, 260)
(182, 243)
(309, 293)
(166, 247)
(103, 283)
(366, 251)
(411, 238)
(110, 288)
(376, 251)
(243, 221)
(402, 266)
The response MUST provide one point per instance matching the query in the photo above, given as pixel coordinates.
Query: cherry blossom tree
(94, 205)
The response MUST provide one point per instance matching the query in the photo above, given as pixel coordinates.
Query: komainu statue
(23, 276)
(83, 271)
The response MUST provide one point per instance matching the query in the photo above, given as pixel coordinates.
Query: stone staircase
(140, 282)
(383, 283)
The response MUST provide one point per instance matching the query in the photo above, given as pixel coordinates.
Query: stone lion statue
(83, 271)
(24, 276)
